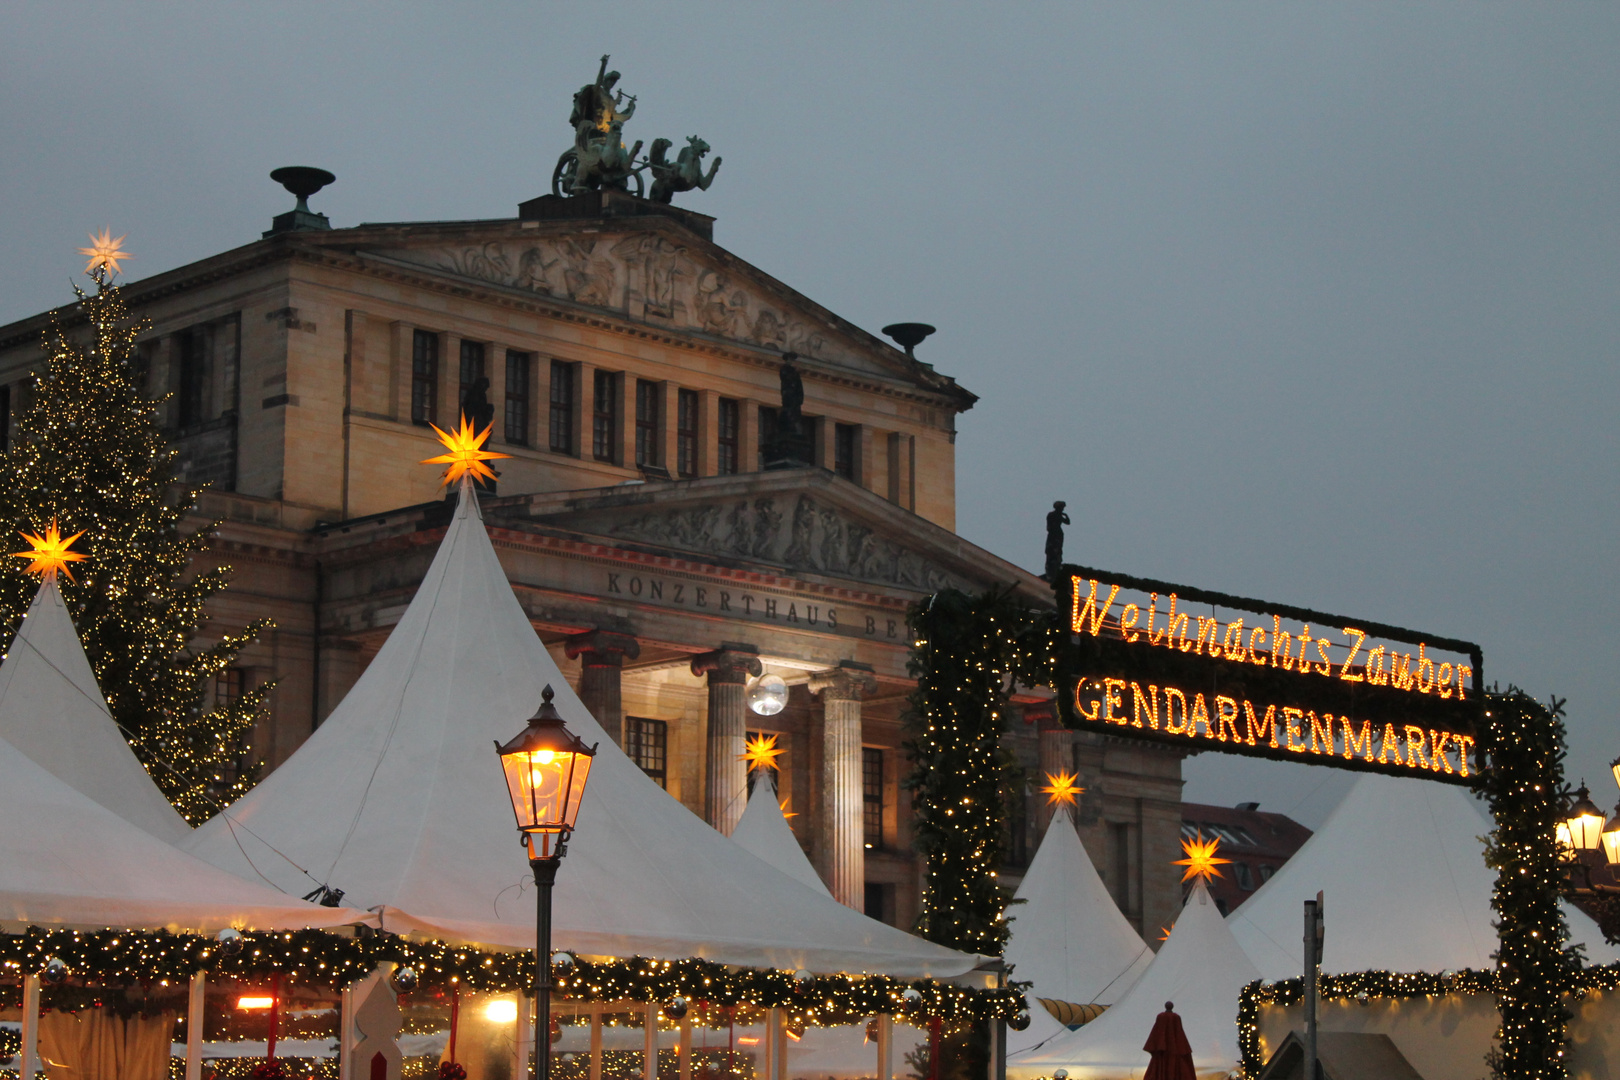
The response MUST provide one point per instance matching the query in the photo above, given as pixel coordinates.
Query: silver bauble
(229, 941)
(675, 1008)
(55, 972)
(403, 980)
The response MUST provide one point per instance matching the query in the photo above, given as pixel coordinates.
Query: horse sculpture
(682, 174)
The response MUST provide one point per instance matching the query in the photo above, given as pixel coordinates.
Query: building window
(647, 743)
(1119, 843)
(872, 796)
(5, 419)
(1245, 876)
(767, 433)
(424, 378)
(647, 423)
(562, 407)
(605, 411)
(517, 398)
(844, 450)
(1266, 872)
(730, 436)
(472, 369)
(878, 904)
(191, 398)
(686, 432)
(228, 687)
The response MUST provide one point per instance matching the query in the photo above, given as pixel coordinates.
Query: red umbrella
(1170, 1054)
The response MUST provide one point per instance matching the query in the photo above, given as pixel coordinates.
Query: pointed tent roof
(763, 831)
(1201, 968)
(398, 799)
(1068, 937)
(1401, 865)
(52, 710)
(124, 877)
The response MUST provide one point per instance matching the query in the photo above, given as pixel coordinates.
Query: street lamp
(545, 767)
(1585, 822)
(1611, 839)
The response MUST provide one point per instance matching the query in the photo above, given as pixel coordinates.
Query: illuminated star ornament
(1201, 859)
(465, 457)
(1164, 932)
(104, 252)
(761, 753)
(1062, 789)
(50, 553)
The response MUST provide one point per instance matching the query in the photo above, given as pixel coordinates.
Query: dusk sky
(1316, 303)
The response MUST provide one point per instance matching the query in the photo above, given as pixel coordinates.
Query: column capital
(732, 662)
(602, 648)
(846, 682)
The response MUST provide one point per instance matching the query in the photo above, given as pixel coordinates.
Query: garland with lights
(159, 964)
(89, 455)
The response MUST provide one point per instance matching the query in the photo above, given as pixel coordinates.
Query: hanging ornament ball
(675, 1009)
(768, 695)
(1061, 1074)
(229, 941)
(802, 976)
(563, 961)
(568, 1058)
(1019, 1022)
(403, 980)
(55, 973)
(912, 995)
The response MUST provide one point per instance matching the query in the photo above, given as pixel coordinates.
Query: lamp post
(1585, 822)
(545, 767)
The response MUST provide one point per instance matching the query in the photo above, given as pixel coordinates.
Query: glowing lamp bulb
(501, 1011)
(254, 1002)
(546, 757)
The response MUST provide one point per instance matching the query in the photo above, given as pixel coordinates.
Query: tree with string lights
(89, 457)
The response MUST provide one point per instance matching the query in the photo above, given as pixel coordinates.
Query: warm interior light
(1611, 839)
(501, 1011)
(546, 766)
(746, 1040)
(1585, 822)
(1563, 836)
(255, 1002)
(546, 757)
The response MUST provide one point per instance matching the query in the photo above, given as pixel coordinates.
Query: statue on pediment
(684, 173)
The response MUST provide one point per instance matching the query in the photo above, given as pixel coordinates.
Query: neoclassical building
(632, 368)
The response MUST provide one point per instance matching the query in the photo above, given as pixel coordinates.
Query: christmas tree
(88, 456)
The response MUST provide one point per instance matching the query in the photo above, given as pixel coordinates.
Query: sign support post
(1313, 973)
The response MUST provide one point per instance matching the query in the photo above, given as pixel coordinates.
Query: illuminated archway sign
(1176, 664)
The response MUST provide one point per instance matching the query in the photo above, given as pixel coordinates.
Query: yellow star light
(465, 458)
(1164, 932)
(761, 753)
(1201, 859)
(50, 553)
(1062, 788)
(104, 251)
(786, 813)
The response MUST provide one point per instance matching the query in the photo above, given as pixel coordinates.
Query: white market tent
(398, 799)
(763, 832)
(1068, 937)
(67, 861)
(1201, 968)
(52, 710)
(1401, 865)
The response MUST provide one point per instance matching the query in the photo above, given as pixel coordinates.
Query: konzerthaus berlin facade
(633, 369)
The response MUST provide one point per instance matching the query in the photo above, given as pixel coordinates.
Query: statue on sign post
(1054, 541)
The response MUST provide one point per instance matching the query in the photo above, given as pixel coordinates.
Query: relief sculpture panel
(640, 275)
(797, 533)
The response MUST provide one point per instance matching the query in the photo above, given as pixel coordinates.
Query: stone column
(601, 654)
(841, 839)
(728, 669)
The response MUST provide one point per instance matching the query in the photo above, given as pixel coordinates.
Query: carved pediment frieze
(796, 532)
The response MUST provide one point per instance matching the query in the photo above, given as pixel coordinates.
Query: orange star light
(465, 457)
(104, 251)
(1201, 859)
(1164, 932)
(761, 753)
(1062, 788)
(50, 553)
(786, 813)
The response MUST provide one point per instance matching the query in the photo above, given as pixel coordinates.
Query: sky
(1315, 303)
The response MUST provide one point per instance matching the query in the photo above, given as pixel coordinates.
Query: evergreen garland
(90, 455)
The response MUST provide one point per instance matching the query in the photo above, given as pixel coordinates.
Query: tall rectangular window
(730, 434)
(1119, 852)
(424, 377)
(647, 423)
(472, 369)
(767, 433)
(517, 397)
(844, 450)
(647, 743)
(191, 397)
(872, 796)
(228, 687)
(686, 432)
(562, 407)
(604, 416)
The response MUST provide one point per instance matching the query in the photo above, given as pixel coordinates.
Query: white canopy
(52, 710)
(68, 861)
(1201, 969)
(1068, 937)
(764, 832)
(398, 799)
(1401, 867)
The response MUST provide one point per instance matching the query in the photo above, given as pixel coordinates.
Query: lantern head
(1611, 839)
(546, 766)
(1585, 822)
